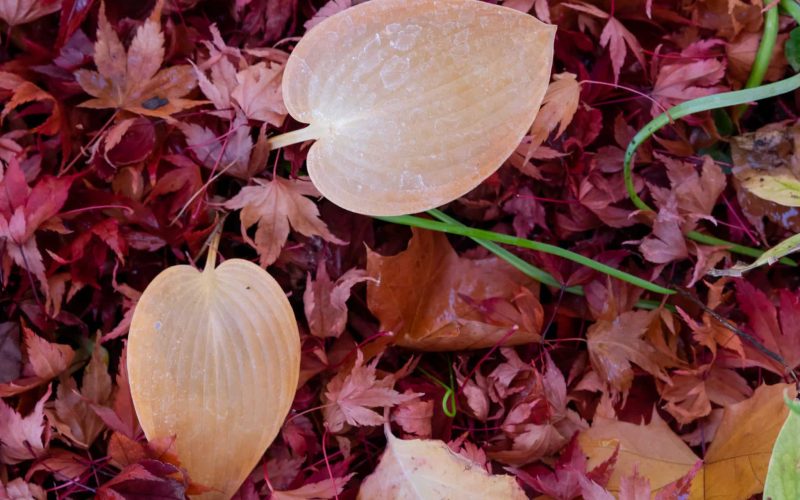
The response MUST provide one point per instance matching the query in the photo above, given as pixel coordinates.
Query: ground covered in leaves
(127, 135)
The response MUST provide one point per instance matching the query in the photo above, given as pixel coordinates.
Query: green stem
(763, 56)
(706, 103)
(410, 220)
(532, 271)
(791, 8)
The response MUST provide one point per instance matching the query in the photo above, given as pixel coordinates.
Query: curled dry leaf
(428, 468)
(325, 301)
(213, 359)
(432, 299)
(419, 103)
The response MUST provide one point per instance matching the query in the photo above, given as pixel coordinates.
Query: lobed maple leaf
(350, 395)
(132, 80)
(258, 93)
(22, 212)
(43, 362)
(615, 343)
(415, 416)
(558, 107)
(325, 301)
(23, 438)
(696, 74)
(24, 92)
(73, 415)
(615, 37)
(16, 12)
(273, 205)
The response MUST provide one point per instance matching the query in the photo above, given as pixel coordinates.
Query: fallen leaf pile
(429, 366)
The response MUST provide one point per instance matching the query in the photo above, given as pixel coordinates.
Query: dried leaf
(325, 302)
(432, 299)
(132, 80)
(615, 342)
(654, 449)
(422, 468)
(778, 185)
(23, 438)
(558, 107)
(439, 97)
(736, 462)
(16, 12)
(327, 488)
(274, 205)
(259, 93)
(350, 395)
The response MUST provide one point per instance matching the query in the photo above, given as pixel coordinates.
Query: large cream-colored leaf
(214, 358)
(414, 102)
(427, 469)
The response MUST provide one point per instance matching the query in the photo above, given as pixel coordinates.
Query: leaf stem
(308, 133)
(410, 220)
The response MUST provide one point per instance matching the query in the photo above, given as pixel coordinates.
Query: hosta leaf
(213, 359)
(413, 103)
(783, 477)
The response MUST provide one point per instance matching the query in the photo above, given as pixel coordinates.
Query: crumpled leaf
(16, 12)
(23, 438)
(432, 299)
(325, 301)
(736, 461)
(24, 92)
(273, 205)
(43, 362)
(350, 395)
(131, 80)
(696, 73)
(427, 468)
(74, 417)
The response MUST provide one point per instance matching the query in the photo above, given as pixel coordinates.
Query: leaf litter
(126, 134)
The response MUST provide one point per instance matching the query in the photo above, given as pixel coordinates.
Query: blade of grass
(481, 234)
(706, 103)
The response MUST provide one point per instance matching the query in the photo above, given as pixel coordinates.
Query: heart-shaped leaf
(413, 102)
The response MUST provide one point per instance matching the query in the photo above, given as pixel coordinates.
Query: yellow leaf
(737, 460)
(653, 449)
(779, 186)
(427, 468)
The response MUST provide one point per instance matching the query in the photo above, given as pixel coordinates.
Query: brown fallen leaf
(653, 449)
(434, 300)
(428, 468)
(325, 301)
(259, 93)
(615, 344)
(558, 107)
(131, 80)
(73, 415)
(43, 362)
(274, 205)
(737, 459)
(23, 437)
(23, 92)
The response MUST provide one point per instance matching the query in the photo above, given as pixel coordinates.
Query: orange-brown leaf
(434, 300)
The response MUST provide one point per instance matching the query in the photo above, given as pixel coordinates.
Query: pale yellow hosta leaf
(780, 186)
(427, 469)
(413, 103)
(214, 358)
